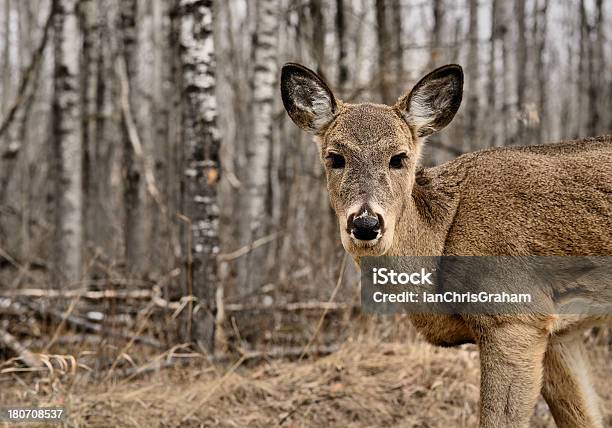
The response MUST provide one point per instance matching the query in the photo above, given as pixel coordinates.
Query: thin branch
(248, 248)
(132, 132)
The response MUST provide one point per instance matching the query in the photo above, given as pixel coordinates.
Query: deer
(551, 199)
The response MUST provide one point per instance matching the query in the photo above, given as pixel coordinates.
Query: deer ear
(434, 100)
(307, 98)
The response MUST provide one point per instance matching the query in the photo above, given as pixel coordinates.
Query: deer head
(370, 151)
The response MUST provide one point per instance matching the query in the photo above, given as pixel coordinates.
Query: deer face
(370, 152)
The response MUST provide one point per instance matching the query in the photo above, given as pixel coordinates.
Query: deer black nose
(365, 227)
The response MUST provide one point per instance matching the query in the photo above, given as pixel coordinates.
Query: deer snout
(365, 225)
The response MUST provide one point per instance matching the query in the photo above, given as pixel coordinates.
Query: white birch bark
(68, 144)
(258, 148)
(201, 172)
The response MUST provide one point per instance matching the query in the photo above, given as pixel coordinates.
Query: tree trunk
(258, 151)
(597, 72)
(471, 141)
(506, 110)
(398, 51)
(521, 67)
(201, 172)
(492, 81)
(436, 33)
(318, 35)
(343, 70)
(89, 74)
(135, 215)
(540, 34)
(6, 55)
(582, 75)
(384, 52)
(68, 191)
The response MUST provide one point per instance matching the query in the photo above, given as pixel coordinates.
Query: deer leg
(567, 387)
(511, 374)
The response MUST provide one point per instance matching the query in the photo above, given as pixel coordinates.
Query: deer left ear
(307, 98)
(434, 100)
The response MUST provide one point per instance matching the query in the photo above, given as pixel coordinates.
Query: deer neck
(427, 215)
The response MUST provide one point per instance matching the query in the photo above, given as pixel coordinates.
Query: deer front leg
(511, 374)
(567, 388)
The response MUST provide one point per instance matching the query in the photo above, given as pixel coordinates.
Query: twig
(29, 72)
(27, 357)
(248, 248)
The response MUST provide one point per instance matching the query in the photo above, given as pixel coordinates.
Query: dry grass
(365, 383)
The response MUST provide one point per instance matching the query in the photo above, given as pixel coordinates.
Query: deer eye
(336, 161)
(397, 161)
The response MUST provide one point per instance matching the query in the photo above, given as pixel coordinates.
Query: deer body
(553, 199)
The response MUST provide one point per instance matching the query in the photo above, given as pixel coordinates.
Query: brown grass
(365, 383)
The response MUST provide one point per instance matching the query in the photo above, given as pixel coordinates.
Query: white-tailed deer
(553, 199)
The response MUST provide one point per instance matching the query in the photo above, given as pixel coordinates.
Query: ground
(365, 383)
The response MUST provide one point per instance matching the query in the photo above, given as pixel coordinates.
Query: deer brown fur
(552, 199)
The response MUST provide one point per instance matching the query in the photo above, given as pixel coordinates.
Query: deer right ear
(434, 100)
(307, 98)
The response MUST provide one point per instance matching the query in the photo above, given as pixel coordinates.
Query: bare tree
(521, 66)
(68, 148)
(397, 43)
(134, 222)
(6, 53)
(384, 51)
(582, 77)
(596, 69)
(258, 148)
(343, 71)
(201, 173)
(318, 34)
(471, 134)
(436, 33)
(540, 21)
(90, 49)
(492, 81)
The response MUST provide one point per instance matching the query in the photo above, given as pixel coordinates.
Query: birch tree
(201, 172)
(258, 148)
(67, 151)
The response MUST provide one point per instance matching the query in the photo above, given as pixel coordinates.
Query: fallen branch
(97, 328)
(13, 344)
(290, 307)
(83, 293)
